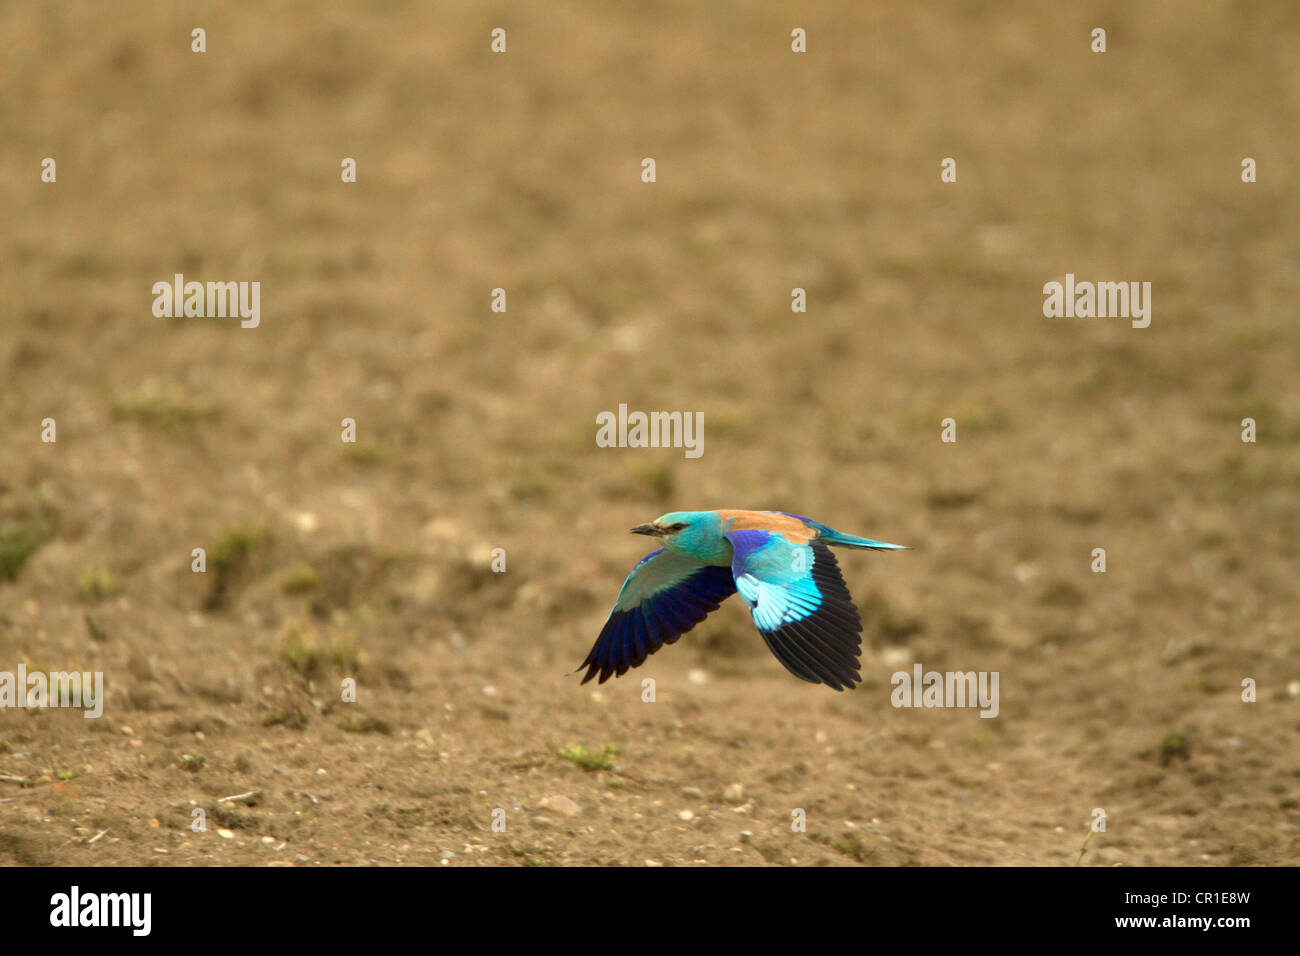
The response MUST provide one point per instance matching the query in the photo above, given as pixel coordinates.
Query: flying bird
(781, 564)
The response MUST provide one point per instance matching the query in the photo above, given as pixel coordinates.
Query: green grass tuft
(305, 651)
(1174, 745)
(359, 724)
(852, 847)
(530, 855)
(304, 578)
(587, 760)
(160, 410)
(23, 534)
(97, 583)
(234, 546)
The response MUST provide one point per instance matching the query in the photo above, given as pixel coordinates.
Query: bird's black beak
(648, 529)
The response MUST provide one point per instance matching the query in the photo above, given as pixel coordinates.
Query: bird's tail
(840, 539)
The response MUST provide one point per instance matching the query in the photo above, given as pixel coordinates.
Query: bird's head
(679, 530)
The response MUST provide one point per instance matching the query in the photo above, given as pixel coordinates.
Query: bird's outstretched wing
(800, 604)
(664, 597)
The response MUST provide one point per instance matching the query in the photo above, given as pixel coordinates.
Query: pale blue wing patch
(800, 605)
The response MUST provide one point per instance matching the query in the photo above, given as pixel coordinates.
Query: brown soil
(476, 430)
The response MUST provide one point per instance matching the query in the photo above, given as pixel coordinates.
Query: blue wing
(664, 597)
(800, 604)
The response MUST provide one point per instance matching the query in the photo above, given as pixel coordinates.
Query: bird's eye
(677, 527)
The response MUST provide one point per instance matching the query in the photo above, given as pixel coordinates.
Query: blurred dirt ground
(477, 429)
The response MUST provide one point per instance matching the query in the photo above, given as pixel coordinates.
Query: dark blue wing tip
(631, 636)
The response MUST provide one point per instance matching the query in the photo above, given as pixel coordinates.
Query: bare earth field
(476, 429)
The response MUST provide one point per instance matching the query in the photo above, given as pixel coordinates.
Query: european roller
(781, 564)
